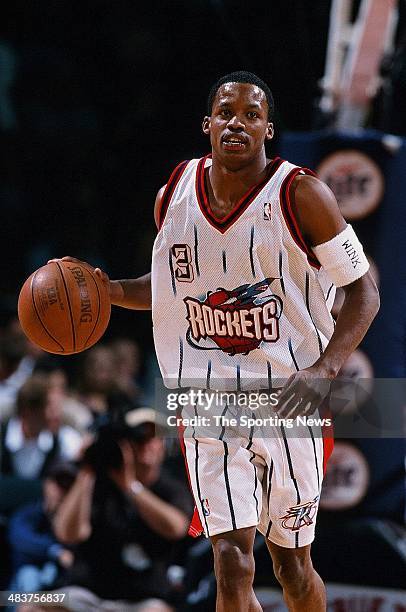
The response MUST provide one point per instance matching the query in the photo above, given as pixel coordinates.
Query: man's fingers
(65, 258)
(286, 393)
(289, 404)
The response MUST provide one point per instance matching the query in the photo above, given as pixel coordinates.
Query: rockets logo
(234, 321)
(300, 515)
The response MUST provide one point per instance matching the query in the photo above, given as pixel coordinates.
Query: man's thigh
(226, 483)
(291, 488)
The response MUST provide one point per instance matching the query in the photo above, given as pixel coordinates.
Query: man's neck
(226, 186)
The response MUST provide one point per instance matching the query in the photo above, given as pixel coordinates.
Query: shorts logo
(300, 515)
(205, 507)
(234, 320)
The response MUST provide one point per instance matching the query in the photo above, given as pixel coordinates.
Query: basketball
(64, 307)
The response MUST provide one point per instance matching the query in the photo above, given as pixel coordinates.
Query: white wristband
(342, 258)
(136, 487)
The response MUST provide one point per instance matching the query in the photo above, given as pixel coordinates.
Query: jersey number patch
(183, 267)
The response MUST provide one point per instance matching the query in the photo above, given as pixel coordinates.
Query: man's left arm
(320, 221)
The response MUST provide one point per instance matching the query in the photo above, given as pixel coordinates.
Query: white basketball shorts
(262, 475)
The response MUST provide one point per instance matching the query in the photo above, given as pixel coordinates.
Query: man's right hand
(114, 287)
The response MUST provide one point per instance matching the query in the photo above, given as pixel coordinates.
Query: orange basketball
(64, 307)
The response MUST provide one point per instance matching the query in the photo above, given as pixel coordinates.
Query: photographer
(124, 514)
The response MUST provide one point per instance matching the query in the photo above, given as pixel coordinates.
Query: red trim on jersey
(328, 437)
(195, 527)
(203, 198)
(169, 189)
(289, 217)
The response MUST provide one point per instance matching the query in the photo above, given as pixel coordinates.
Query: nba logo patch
(205, 507)
(267, 211)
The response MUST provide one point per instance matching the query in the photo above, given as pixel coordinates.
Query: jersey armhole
(168, 193)
(289, 216)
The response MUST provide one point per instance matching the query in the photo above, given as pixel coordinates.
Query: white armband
(342, 258)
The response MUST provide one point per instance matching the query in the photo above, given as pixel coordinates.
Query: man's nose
(235, 123)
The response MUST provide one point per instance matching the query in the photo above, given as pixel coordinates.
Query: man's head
(31, 405)
(240, 107)
(242, 76)
(147, 427)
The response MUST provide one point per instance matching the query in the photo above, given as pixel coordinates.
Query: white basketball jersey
(238, 302)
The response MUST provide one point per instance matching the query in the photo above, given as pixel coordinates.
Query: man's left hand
(303, 393)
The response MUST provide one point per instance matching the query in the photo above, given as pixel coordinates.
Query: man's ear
(206, 126)
(269, 132)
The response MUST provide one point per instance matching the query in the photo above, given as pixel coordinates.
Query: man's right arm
(72, 521)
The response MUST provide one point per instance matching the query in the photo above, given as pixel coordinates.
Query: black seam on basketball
(98, 312)
(70, 307)
(39, 318)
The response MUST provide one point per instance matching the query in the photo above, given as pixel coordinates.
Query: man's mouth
(234, 143)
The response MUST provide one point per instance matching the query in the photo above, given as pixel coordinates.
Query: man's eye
(252, 115)
(225, 112)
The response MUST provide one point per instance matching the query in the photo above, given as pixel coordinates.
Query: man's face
(34, 420)
(238, 125)
(149, 453)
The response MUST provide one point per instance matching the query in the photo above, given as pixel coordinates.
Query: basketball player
(244, 269)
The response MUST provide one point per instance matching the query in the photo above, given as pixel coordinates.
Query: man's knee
(294, 572)
(233, 566)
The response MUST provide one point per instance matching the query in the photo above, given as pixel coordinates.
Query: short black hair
(242, 76)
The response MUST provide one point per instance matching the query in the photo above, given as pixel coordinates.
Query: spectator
(127, 357)
(27, 450)
(16, 366)
(37, 556)
(74, 412)
(69, 439)
(35, 438)
(125, 515)
(97, 379)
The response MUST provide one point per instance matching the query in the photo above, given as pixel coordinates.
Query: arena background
(99, 100)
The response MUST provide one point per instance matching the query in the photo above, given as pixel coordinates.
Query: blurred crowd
(94, 498)
(91, 498)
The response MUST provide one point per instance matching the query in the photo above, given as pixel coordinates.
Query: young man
(243, 273)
